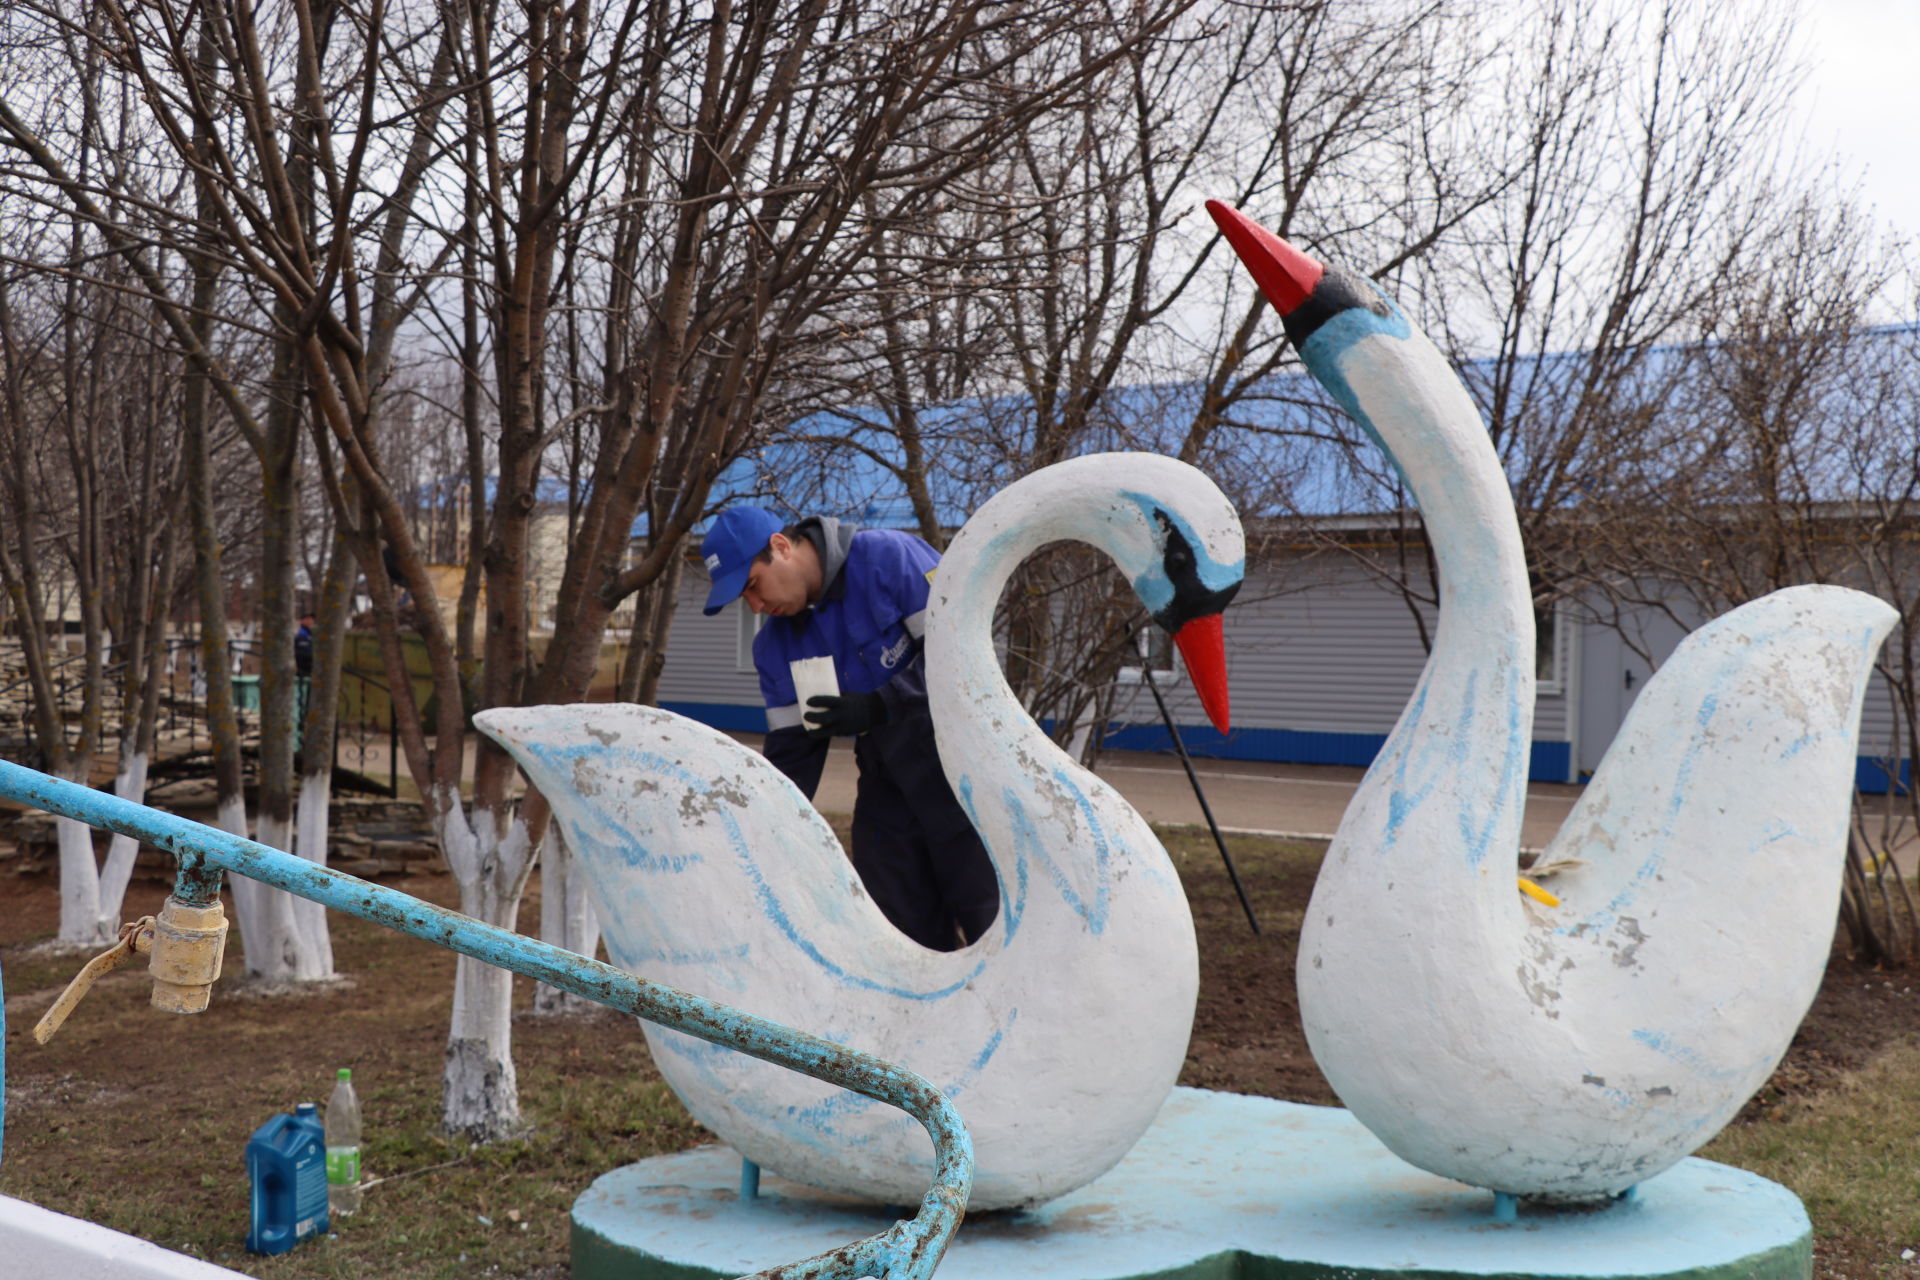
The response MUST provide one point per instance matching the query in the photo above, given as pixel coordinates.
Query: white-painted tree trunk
(80, 907)
(129, 784)
(481, 1094)
(274, 948)
(310, 842)
(567, 918)
(1079, 742)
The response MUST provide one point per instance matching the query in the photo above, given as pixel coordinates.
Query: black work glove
(828, 715)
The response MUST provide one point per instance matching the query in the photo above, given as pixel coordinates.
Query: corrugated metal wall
(1322, 656)
(1317, 649)
(703, 654)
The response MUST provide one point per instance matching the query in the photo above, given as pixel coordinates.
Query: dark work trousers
(915, 849)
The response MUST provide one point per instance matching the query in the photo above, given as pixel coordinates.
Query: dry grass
(139, 1121)
(1852, 1154)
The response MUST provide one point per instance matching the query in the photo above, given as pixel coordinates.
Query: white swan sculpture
(1059, 1033)
(1562, 1053)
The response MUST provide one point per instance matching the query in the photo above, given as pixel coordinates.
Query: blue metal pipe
(906, 1251)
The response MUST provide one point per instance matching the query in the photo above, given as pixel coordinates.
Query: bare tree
(762, 167)
(104, 57)
(1786, 451)
(87, 474)
(119, 541)
(21, 430)
(343, 159)
(1642, 129)
(1034, 317)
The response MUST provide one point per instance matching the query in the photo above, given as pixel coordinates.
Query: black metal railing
(185, 711)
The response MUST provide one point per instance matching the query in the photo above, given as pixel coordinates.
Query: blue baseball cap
(737, 536)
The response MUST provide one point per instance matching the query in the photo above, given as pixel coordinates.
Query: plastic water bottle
(343, 1147)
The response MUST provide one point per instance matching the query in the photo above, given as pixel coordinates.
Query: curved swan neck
(1429, 426)
(1473, 706)
(974, 570)
(1167, 527)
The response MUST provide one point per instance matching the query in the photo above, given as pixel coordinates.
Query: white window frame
(1155, 648)
(746, 625)
(1554, 681)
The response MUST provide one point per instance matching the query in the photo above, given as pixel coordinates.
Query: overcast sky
(1863, 98)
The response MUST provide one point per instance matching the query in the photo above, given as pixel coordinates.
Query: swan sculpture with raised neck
(1562, 1053)
(1061, 1031)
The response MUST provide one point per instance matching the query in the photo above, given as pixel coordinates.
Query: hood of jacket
(832, 539)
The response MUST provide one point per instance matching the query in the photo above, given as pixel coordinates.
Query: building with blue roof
(1322, 652)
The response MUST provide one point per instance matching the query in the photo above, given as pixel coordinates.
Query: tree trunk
(146, 659)
(491, 862)
(567, 918)
(646, 656)
(80, 917)
(294, 931)
(230, 806)
(80, 906)
(316, 743)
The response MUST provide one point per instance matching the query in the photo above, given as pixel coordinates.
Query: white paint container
(813, 678)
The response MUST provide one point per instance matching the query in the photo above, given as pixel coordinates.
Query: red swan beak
(1203, 646)
(1286, 275)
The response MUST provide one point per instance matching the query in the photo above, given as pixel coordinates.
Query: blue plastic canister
(287, 1170)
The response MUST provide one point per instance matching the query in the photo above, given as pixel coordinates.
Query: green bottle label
(343, 1166)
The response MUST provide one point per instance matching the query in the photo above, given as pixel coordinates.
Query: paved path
(1268, 799)
(1245, 796)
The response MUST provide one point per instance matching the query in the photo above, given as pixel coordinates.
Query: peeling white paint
(277, 947)
(566, 917)
(1058, 1034)
(1573, 1052)
(130, 783)
(310, 822)
(81, 922)
(490, 862)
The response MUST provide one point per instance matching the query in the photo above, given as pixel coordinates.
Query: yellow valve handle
(1538, 894)
(135, 936)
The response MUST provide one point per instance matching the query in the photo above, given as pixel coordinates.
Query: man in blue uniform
(859, 597)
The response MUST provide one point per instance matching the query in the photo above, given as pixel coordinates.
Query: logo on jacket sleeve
(891, 654)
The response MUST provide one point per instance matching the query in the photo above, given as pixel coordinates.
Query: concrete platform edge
(1222, 1187)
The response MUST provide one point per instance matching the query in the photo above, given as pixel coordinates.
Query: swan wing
(711, 870)
(712, 873)
(1690, 943)
(1719, 815)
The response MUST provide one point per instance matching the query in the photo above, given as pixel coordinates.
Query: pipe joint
(188, 943)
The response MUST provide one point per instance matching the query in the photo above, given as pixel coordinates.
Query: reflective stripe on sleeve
(916, 624)
(787, 717)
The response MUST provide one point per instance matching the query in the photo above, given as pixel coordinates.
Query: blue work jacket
(870, 619)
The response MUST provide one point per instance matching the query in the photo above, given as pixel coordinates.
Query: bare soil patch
(137, 1119)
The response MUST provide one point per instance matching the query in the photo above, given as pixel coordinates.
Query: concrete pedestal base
(1222, 1187)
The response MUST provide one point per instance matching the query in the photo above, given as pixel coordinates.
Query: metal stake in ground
(1173, 731)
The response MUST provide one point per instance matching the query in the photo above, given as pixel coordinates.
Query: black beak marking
(1191, 598)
